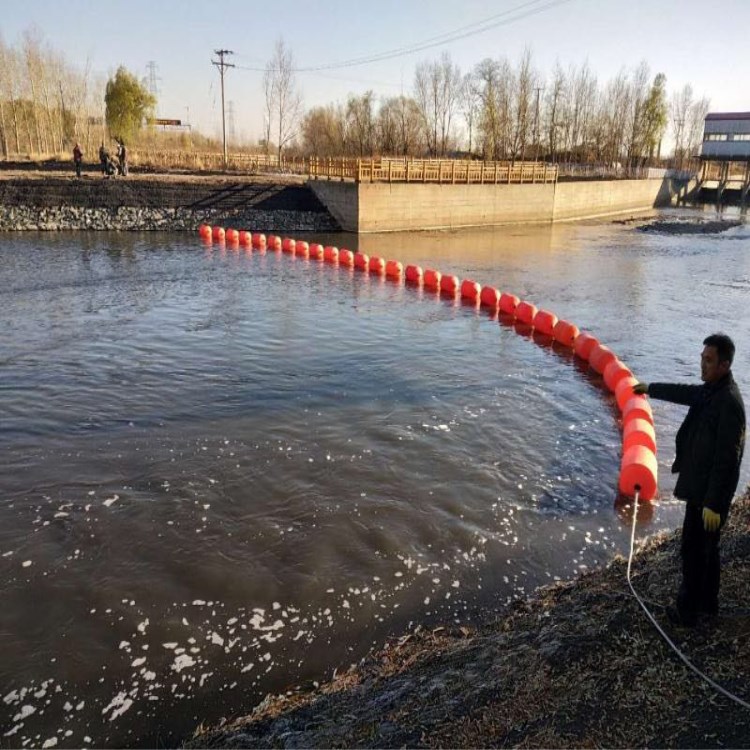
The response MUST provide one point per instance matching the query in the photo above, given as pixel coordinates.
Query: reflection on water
(229, 472)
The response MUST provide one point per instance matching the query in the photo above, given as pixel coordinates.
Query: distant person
(122, 158)
(710, 444)
(103, 158)
(108, 166)
(77, 158)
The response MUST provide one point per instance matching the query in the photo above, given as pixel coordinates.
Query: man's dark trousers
(701, 568)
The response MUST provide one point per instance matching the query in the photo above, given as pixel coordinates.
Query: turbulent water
(228, 473)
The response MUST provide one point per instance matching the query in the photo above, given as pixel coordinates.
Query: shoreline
(576, 664)
(148, 202)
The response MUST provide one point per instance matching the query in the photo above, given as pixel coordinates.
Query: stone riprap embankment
(151, 202)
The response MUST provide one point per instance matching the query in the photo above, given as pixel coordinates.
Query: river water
(228, 473)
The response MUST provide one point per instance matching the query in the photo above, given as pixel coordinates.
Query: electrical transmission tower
(222, 66)
(152, 85)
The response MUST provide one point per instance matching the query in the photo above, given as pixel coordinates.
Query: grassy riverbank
(579, 664)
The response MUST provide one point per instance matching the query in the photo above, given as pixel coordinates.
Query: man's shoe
(680, 619)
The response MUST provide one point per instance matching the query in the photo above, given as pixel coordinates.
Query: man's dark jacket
(710, 442)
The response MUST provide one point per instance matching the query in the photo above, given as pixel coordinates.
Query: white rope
(679, 653)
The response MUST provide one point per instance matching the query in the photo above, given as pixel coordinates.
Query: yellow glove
(640, 389)
(711, 520)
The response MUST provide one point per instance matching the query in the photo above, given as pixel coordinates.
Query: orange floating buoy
(432, 279)
(377, 265)
(301, 248)
(449, 284)
(545, 322)
(565, 333)
(639, 432)
(624, 391)
(414, 274)
(204, 230)
(316, 251)
(232, 235)
(584, 345)
(218, 233)
(330, 254)
(361, 261)
(600, 357)
(637, 407)
(526, 312)
(509, 303)
(288, 245)
(259, 240)
(394, 269)
(274, 242)
(470, 290)
(614, 372)
(489, 297)
(346, 257)
(639, 470)
(245, 237)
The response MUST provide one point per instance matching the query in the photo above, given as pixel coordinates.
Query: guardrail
(441, 171)
(377, 169)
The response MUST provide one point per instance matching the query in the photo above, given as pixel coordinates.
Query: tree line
(499, 110)
(503, 111)
(46, 104)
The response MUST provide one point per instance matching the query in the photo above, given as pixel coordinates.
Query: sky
(690, 41)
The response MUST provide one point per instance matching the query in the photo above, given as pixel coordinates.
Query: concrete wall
(384, 207)
(400, 206)
(342, 201)
(588, 200)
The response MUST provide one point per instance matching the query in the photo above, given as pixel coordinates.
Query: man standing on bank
(710, 444)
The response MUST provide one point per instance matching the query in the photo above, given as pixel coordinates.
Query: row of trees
(496, 111)
(47, 104)
(499, 111)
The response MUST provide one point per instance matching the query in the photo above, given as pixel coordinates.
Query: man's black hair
(723, 344)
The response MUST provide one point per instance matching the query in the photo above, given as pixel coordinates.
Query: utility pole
(221, 65)
(538, 90)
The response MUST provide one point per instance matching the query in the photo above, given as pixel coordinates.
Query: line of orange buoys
(638, 469)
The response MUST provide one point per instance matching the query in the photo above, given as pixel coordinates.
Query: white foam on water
(183, 661)
(110, 500)
(25, 712)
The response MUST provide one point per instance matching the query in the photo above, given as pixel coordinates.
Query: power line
(505, 18)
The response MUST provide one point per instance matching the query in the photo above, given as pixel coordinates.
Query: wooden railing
(376, 169)
(441, 171)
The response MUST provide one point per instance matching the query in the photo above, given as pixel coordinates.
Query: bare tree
(695, 125)
(360, 118)
(470, 101)
(638, 97)
(268, 106)
(554, 99)
(5, 55)
(437, 86)
(524, 82)
(494, 84)
(286, 101)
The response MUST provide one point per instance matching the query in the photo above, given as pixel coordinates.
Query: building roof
(728, 116)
